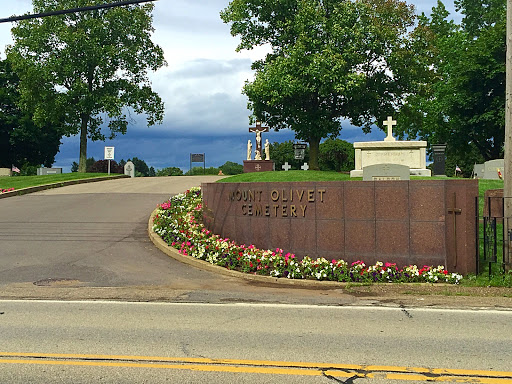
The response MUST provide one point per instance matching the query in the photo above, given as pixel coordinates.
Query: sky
(205, 111)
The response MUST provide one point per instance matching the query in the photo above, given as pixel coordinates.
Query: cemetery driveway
(90, 241)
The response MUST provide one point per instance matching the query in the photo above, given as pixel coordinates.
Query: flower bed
(6, 190)
(179, 223)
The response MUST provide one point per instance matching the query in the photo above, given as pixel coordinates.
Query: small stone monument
(129, 169)
(391, 151)
(380, 172)
(48, 171)
(286, 166)
(493, 169)
(258, 164)
(5, 172)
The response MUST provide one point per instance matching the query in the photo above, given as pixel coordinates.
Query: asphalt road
(86, 342)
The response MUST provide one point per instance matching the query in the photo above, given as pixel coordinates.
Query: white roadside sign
(109, 153)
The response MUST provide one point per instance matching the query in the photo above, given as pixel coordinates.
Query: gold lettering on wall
(252, 197)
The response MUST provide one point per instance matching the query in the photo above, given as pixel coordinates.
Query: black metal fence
(494, 240)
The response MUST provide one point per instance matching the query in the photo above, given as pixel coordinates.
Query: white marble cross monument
(390, 123)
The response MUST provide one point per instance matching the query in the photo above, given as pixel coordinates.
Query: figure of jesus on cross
(258, 129)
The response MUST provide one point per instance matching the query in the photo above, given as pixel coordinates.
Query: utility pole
(507, 175)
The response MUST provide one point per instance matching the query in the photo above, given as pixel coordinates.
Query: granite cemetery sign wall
(408, 222)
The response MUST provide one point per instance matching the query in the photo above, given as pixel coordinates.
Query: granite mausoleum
(422, 222)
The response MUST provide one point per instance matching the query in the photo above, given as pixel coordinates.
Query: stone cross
(258, 129)
(286, 166)
(390, 123)
(305, 167)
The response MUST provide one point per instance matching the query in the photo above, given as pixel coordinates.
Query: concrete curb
(24, 191)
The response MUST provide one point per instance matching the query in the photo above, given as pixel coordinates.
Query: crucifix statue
(390, 123)
(258, 129)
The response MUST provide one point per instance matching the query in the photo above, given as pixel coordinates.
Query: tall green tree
(88, 68)
(331, 60)
(141, 168)
(22, 142)
(458, 81)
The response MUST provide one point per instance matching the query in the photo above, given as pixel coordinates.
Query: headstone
(129, 169)
(478, 171)
(286, 166)
(48, 171)
(379, 172)
(412, 154)
(493, 168)
(439, 152)
(5, 172)
(305, 167)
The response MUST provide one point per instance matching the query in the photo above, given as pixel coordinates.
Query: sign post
(197, 158)
(109, 155)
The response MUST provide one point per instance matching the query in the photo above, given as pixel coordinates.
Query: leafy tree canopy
(86, 68)
(169, 171)
(336, 155)
(231, 168)
(22, 142)
(101, 166)
(330, 60)
(458, 81)
(141, 168)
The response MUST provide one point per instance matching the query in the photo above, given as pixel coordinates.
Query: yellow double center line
(262, 367)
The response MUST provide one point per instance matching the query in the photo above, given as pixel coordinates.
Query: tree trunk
(83, 144)
(314, 150)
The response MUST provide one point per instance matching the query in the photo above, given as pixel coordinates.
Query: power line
(74, 10)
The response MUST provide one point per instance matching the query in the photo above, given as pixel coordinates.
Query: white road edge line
(267, 305)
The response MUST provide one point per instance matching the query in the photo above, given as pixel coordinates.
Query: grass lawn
(18, 182)
(270, 177)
